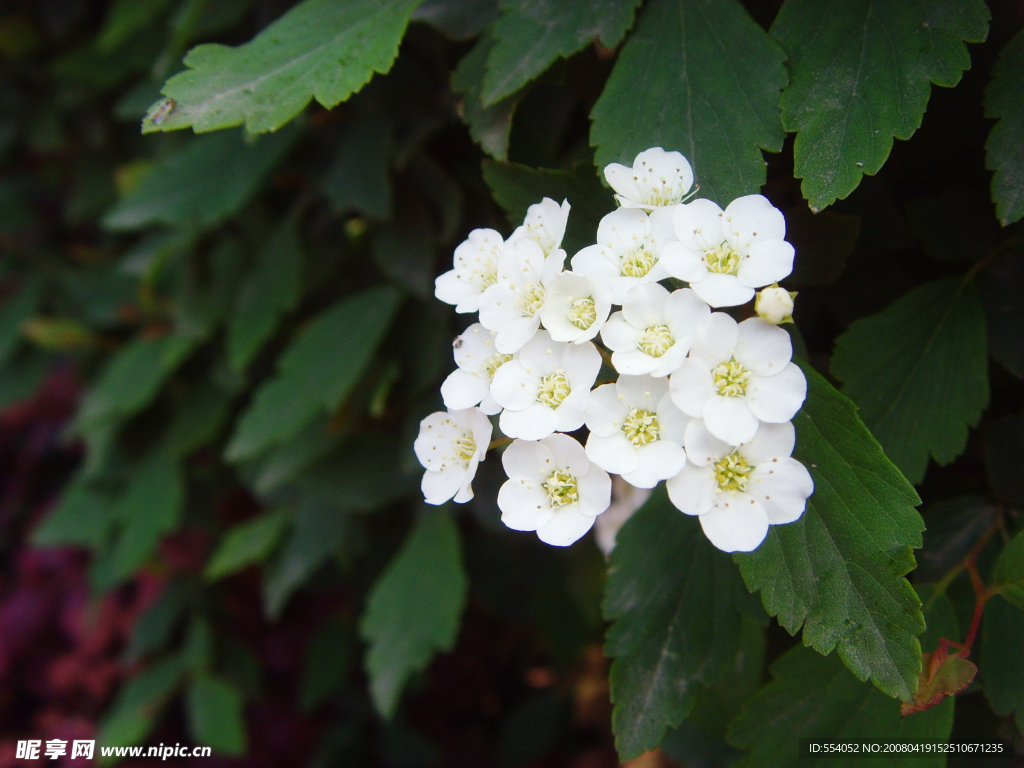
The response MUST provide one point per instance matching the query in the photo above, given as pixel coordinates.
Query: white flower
(632, 248)
(652, 333)
(737, 375)
(727, 254)
(739, 491)
(477, 359)
(775, 304)
(545, 387)
(657, 178)
(552, 489)
(636, 430)
(476, 265)
(451, 445)
(512, 305)
(545, 224)
(576, 307)
(626, 500)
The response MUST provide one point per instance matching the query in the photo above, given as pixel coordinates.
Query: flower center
(464, 447)
(561, 489)
(554, 389)
(641, 427)
(638, 262)
(583, 313)
(723, 260)
(731, 379)
(732, 472)
(656, 340)
(494, 362)
(487, 276)
(531, 299)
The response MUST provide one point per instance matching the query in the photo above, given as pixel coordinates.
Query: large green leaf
(245, 544)
(490, 126)
(839, 569)
(1009, 574)
(675, 602)
(82, 516)
(703, 79)
(138, 704)
(1002, 658)
(316, 372)
(918, 372)
(860, 74)
(1004, 99)
(149, 508)
(200, 185)
(321, 49)
(414, 607)
(530, 34)
(216, 715)
(815, 697)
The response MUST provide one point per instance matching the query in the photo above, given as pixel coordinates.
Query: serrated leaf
(702, 79)
(149, 508)
(952, 676)
(1002, 658)
(1001, 286)
(1004, 456)
(860, 74)
(490, 126)
(270, 290)
(516, 187)
(1004, 151)
(918, 373)
(320, 49)
(202, 184)
(414, 607)
(216, 715)
(839, 570)
(245, 544)
(316, 372)
(531, 34)
(1009, 575)
(674, 602)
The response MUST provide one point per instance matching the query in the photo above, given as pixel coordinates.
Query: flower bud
(775, 304)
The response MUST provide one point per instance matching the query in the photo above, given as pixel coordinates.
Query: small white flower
(775, 304)
(476, 265)
(657, 178)
(739, 491)
(545, 387)
(512, 305)
(477, 359)
(727, 254)
(737, 375)
(451, 445)
(626, 500)
(653, 331)
(545, 225)
(632, 249)
(576, 307)
(636, 430)
(552, 489)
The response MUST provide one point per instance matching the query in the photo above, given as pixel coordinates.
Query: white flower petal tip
(726, 254)
(544, 224)
(450, 445)
(475, 269)
(657, 179)
(553, 489)
(478, 360)
(739, 491)
(775, 305)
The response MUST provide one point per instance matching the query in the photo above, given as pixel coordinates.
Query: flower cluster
(691, 394)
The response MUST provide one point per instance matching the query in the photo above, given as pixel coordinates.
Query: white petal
(684, 311)
(613, 454)
(698, 225)
(672, 421)
(474, 347)
(449, 289)
(633, 362)
(642, 392)
(618, 335)
(657, 461)
(620, 178)
(595, 489)
(481, 426)
(515, 334)
(771, 441)
(489, 405)
(541, 356)
(735, 523)
(729, 419)
(553, 266)
(767, 263)
(782, 486)
(660, 221)
(692, 385)
(662, 177)
(570, 412)
(568, 455)
(527, 460)
(684, 263)
(439, 487)
(521, 262)
(752, 219)
(777, 398)
(604, 412)
(671, 360)
(644, 305)
(463, 390)
(524, 505)
(621, 229)
(582, 363)
(513, 387)
(593, 262)
(465, 493)
(762, 347)
(722, 290)
(714, 341)
(533, 423)
(567, 527)
(703, 448)
(555, 317)
(498, 307)
(693, 490)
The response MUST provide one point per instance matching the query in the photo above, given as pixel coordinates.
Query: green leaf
(138, 705)
(673, 600)
(270, 290)
(414, 607)
(1004, 151)
(359, 177)
(1001, 286)
(815, 697)
(15, 310)
(198, 418)
(531, 34)
(328, 662)
(197, 187)
(860, 74)
(700, 78)
(839, 570)
(216, 715)
(82, 517)
(1002, 658)
(457, 19)
(245, 544)
(1009, 575)
(320, 49)
(316, 372)
(918, 373)
(490, 126)
(149, 508)
(1004, 456)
